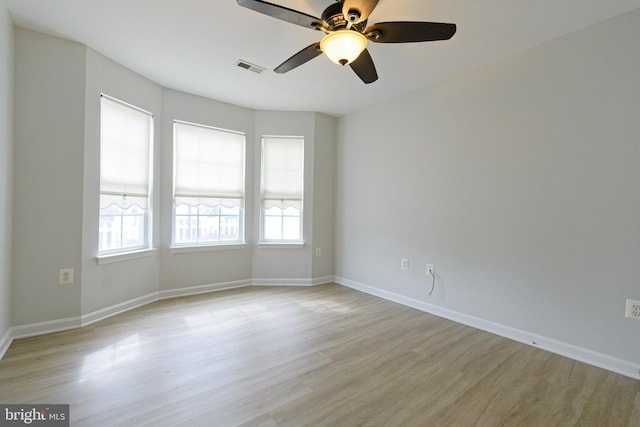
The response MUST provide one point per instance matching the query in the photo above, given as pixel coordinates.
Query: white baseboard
(42, 328)
(5, 342)
(202, 289)
(87, 319)
(48, 327)
(590, 357)
(293, 282)
(323, 280)
(282, 282)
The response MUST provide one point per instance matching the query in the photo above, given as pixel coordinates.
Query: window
(282, 184)
(126, 135)
(208, 185)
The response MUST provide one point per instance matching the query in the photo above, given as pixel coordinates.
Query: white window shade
(124, 155)
(282, 180)
(209, 166)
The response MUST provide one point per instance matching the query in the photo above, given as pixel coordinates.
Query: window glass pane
(291, 228)
(209, 228)
(110, 230)
(132, 230)
(121, 228)
(205, 224)
(281, 224)
(229, 227)
(272, 228)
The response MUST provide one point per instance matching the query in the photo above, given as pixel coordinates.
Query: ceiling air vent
(249, 66)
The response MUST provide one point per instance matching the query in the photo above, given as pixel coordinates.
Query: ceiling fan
(346, 33)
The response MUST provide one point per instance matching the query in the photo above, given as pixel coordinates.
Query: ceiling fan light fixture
(343, 46)
(345, 23)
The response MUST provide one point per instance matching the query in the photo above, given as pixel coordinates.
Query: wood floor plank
(320, 356)
(634, 419)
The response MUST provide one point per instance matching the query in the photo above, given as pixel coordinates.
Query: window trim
(288, 244)
(282, 243)
(207, 248)
(112, 258)
(148, 212)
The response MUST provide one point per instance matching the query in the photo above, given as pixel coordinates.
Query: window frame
(211, 244)
(147, 227)
(263, 242)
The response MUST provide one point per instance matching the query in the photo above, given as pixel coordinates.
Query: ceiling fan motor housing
(336, 20)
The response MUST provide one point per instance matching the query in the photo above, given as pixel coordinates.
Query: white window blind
(282, 172)
(126, 135)
(124, 155)
(209, 166)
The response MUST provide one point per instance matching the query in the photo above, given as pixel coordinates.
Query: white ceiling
(193, 45)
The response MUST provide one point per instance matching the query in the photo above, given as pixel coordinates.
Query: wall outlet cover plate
(633, 309)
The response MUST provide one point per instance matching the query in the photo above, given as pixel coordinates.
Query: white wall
(48, 176)
(6, 168)
(518, 180)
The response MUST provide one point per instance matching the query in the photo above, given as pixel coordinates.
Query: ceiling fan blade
(283, 13)
(407, 32)
(305, 55)
(357, 11)
(365, 69)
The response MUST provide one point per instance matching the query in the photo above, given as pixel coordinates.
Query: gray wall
(180, 269)
(48, 176)
(288, 263)
(323, 196)
(518, 180)
(300, 265)
(106, 285)
(6, 166)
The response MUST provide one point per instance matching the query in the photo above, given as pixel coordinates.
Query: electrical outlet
(404, 263)
(430, 270)
(65, 276)
(318, 252)
(633, 309)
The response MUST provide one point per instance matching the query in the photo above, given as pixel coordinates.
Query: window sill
(207, 248)
(281, 245)
(124, 256)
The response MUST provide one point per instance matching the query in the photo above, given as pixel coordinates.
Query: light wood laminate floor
(321, 356)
